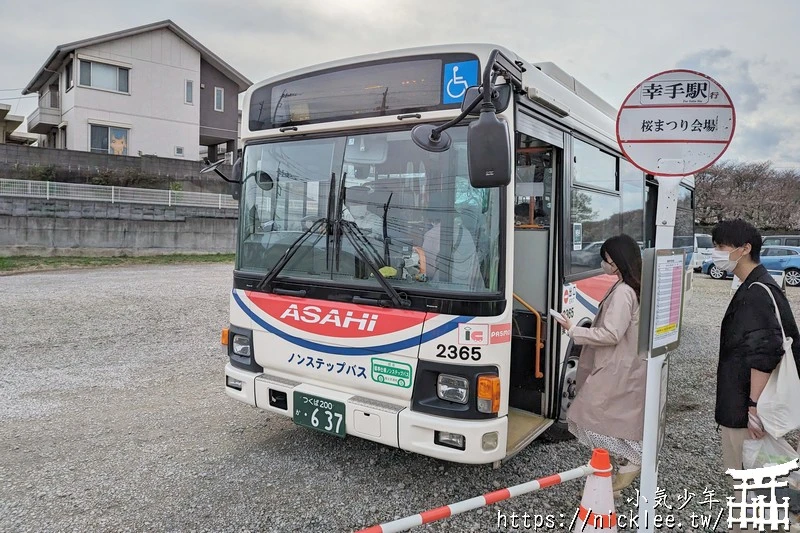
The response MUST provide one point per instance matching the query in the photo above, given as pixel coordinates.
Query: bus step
(523, 428)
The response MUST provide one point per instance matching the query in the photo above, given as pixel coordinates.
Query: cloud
(764, 137)
(609, 46)
(793, 96)
(732, 72)
(762, 141)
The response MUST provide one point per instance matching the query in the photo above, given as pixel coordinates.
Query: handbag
(779, 403)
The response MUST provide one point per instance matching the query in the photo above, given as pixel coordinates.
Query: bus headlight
(241, 345)
(452, 388)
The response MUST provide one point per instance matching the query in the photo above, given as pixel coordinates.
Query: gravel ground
(113, 417)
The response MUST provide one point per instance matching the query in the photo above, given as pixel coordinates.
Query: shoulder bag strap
(777, 311)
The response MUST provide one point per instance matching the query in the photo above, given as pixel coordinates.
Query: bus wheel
(559, 431)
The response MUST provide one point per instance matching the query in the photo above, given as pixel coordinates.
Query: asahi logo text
(311, 314)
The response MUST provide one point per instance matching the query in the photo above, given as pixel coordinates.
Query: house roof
(62, 51)
(12, 122)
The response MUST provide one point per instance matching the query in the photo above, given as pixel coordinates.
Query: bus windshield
(413, 213)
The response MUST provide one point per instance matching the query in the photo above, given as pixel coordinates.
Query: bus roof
(588, 113)
(582, 109)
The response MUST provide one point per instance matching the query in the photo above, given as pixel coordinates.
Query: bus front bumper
(483, 441)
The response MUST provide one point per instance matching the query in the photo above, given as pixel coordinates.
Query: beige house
(152, 90)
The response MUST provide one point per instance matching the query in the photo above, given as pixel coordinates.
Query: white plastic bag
(779, 403)
(766, 450)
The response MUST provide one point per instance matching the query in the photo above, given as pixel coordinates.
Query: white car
(703, 246)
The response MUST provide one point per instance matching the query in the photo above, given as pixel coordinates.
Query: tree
(767, 197)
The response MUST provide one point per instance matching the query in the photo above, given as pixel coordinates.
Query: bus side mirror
(489, 152)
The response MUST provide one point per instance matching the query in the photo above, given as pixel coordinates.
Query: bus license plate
(319, 413)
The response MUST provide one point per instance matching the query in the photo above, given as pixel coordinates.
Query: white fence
(51, 190)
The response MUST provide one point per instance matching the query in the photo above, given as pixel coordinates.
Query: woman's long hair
(627, 257)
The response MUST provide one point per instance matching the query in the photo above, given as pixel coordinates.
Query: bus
(406, 221)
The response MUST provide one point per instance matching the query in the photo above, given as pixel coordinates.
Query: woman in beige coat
(608, 411)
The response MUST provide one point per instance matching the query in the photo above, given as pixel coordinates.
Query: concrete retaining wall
(31, 162)
(66, 227)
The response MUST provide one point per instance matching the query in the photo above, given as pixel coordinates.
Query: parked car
(782, 240)
(588, 256)
(779, 258)
(703, 246)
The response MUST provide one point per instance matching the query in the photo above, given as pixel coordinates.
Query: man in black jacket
(750, 338)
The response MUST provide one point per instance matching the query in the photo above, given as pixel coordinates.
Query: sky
(608, 45)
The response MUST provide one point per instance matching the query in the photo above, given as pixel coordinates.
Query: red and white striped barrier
(446, 511)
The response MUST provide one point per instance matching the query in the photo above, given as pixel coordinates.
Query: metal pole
(112, 194)
(649, 476)
(48, 190)
(169, 198)
(220, 201)
(666, 210)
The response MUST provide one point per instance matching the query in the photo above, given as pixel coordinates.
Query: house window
(219, 99)
(109, 140)
(179, 151)
(102, 76)
(68, 76)
(188, 97)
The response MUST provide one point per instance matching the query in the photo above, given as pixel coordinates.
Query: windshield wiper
(386, 256)
(365, 242)
(329, 219)
(346, 228)
(290, 251)
(398, 300)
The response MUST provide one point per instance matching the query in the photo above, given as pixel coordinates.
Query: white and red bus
(392, 281)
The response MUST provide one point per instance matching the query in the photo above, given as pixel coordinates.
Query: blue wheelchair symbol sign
(457, 78)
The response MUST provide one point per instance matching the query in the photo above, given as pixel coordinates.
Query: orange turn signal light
(224, 337)
(488, 394)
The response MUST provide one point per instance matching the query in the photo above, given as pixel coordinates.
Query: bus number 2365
(459, 352)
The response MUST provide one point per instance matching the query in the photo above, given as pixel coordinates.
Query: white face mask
(722, 260)
(607, 268)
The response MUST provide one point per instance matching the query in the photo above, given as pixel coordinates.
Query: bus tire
(559, 432)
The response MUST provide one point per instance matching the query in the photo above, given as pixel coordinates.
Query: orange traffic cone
(596, 512)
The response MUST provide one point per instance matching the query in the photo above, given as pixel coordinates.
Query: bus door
(538, 159)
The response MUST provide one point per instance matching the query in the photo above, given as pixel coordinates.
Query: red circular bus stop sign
(676, 123)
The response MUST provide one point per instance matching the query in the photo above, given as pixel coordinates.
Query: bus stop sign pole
(671, 125)
(659, 334)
